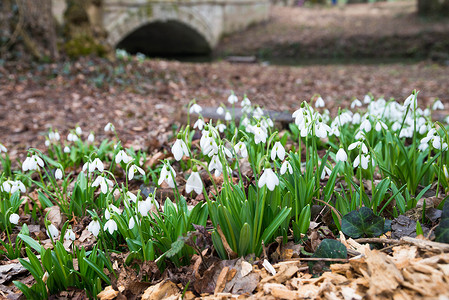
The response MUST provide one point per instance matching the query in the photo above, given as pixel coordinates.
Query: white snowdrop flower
(199, 124)
(210, 148)
(69, 235)
(47, 143)
(366, 125)
(411, 101)
(94, 227)
(195, 108)
(110, 226)
(133, 170)
(319, 102)
(396, 126)
(380, 125)
(10, 186)
(268, 178)
(232, 99)
(356, 103)
(223, 150)
(143, 207)
(240, 148)
(72, 137)
(66, 149)
(278, 150)
(52, 231)
(358, 144)
(446, 120)
(78, 130)
(341, 155)
(245, 102)
(111, 208)
(437, 105)
(260, 134)
(166, 175)
(131, 223)
(423, 128)
(103, 182)
(216, 165)
(270, 269)
(194, 183)
(228, 116)
(258, 113)
(131, 196)
(32, 163)
(245, 122)
(356, 118)
(14, 218)
(436, 142)
(122, 157)
(179, 149)
(361, 160)
(327, 171)
(109, 127)
(91, 138)
(423, 146)
(367, 99)
(3, 148)
(220, 110)
(321, 130)
(286, 166)
(58, 174)
(221, 127)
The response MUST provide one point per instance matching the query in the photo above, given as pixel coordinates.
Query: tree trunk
(28, 26)
(433, 7)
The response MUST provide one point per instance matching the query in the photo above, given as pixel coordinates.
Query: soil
(379, 30)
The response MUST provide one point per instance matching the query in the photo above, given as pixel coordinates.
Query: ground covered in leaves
(145, 99)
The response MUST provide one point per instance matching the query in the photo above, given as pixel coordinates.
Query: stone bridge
(177, 26)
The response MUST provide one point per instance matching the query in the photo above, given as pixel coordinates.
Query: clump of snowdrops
(263, 184)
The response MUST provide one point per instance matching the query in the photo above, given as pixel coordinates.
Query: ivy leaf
(328, 248)
(442, 231)
(362, 223)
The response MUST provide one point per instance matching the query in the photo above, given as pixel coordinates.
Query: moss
(83, 45)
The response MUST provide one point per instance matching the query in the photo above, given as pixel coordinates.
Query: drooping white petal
(194, 183)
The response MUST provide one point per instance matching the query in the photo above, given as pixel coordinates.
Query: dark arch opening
(165, 39)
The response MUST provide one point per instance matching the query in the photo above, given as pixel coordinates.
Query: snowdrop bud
(66, 149)
(14, 219)
(47, 143)
(58, 174)
(91, 138)
(78, 130)
(228, 116)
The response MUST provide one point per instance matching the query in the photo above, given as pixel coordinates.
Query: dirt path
(383, 29)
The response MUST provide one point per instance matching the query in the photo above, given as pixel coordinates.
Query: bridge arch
(162, 28)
